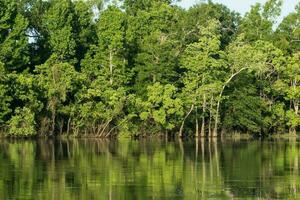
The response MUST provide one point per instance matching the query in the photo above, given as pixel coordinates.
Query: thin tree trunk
(202, 134)
(104, 128)
(220, 98)
(61, 126)
(292, 130)
(182, 125)
(53, 121)
(210, 118)
(68, 126)
(111, 130)
(197, 124)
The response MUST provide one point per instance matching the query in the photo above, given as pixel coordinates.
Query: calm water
(86, 169)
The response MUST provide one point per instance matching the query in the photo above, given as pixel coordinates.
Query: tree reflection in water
(148, 169)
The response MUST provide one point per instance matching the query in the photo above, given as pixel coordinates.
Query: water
(153, 169)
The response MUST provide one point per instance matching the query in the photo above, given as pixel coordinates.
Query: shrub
(22, 123)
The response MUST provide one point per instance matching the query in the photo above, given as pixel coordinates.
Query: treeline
(144, 67)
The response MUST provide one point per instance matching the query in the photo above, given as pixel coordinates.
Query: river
(149, 169)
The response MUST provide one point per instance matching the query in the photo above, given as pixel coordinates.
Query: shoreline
(234, 136)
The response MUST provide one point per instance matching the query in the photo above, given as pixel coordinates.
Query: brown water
(154, 169)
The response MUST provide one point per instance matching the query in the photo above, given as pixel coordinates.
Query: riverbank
(233, 136)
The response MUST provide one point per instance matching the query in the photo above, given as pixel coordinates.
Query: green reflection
(154, 169)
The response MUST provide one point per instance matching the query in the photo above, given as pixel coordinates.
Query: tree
(57, 81)
(288, 32)
(204, 64)
(59, 24)
(153, 46)
(201, 14)
(22, 123)
(111, 39)
(133, 6)
(258, 23)
(162, 106)
(104, 71)
(5, 99)
(289, 86)
(13, 41)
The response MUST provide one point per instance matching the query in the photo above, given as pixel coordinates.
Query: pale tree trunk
(53, 118)
(182, 124)
(210, 118)
(53, 102)
(295, 106)
(68, 126)
(202, 134)
(197, 124)
(53, 122)
(220, 98)
(296, 111)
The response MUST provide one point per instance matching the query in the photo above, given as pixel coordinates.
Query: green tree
(288, 85)
(57, 81)
(5, 99)
(111, 43)
(288, 32)
(22, 123)
(204, 64)
(59, 24)
(162, 106)
(258, 23)
(153, 46)
(13, 40)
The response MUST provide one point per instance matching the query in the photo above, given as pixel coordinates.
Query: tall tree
(204, 64)
(59, 22)
(288, 32)
(258, 23)
(13, 40)
(155, 54)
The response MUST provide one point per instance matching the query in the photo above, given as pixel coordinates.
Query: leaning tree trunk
(220, 98)
(182, 124)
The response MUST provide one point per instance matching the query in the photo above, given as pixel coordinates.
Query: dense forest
(147, 67)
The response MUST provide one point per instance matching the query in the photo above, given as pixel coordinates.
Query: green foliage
(258, 23)
(22, 123)
(104, 67)
(288, 33)
(13, 41)
(5, 99)
(161, 105)
(244, 114)
(155, 51)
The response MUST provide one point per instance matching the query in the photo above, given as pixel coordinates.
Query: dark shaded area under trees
(93, 68)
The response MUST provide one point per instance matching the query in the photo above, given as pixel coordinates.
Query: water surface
(149, 169)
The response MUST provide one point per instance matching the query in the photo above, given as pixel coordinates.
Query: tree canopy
(106, 68)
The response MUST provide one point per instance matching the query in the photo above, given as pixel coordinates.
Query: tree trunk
(197, 124)
(292, 130)
(210, 118)
(202, 134)
(182, 125)
(53, 121)
(220, 98)
(68, 126)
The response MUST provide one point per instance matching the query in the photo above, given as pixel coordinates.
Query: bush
(22, 123)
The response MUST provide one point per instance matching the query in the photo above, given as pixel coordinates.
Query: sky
(242, 6)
